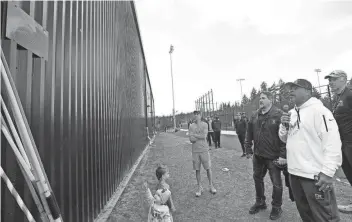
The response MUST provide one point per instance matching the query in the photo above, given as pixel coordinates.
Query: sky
(217, 42)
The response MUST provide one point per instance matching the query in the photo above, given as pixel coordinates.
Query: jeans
(210, 137)
(347, 160)
(217, 135)
(260, 167)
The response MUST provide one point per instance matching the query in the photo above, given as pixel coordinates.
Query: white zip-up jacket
(313, 141)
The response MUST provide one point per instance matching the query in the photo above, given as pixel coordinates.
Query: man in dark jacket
(241, 127)
(342, 110)
(263, 129)
(189, 123)
(216, 124)
(210, 136)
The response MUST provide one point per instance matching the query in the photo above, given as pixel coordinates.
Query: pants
(287, 183)
(260, 167)
(217, 138)
(313, 205)
(347, 160)
(241, 138)
(210, 137)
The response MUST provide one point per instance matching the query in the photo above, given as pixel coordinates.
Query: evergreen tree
(254, 94)
(263, 86)
(280, 83)
(272, 87)
(245, 100)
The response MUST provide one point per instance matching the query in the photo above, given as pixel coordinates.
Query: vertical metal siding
(88, 104)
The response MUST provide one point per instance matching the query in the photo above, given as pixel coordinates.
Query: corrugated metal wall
(80, 71)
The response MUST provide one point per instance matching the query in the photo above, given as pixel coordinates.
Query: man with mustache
(262, 129)
(313, 153)
(342, 110)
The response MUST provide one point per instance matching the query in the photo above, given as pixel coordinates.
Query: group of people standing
(308, 143)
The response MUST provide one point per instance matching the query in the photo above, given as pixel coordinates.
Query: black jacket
(263, 130)
(216, 125)
(343, 114)
(241, 126)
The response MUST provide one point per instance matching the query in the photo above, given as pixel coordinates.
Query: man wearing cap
(262, 130)
(342, 109)
(198, 132)
(313, 153)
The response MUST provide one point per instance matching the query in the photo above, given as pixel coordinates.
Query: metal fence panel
(87, 97)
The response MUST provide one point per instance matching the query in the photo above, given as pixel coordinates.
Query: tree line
(281, 96)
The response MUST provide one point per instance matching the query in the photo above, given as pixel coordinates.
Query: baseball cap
(336, 74)
(197, 112)
(303, 83)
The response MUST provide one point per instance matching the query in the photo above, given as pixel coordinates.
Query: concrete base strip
(223, 132)
(109, 206)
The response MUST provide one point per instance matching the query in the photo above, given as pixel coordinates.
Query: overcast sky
(219, 41)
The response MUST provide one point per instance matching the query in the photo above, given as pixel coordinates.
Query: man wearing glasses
(342, 110)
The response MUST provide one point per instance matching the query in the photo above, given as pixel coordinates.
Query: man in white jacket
(313, 153)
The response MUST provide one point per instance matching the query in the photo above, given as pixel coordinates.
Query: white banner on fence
(223, 132)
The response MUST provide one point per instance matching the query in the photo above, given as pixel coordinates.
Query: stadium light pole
(318, 71)
(172, 81)
(240, 80)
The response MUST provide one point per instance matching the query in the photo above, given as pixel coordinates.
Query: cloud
(342, 61)
(217, 42)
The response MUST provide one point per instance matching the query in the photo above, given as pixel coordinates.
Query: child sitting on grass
(161, 203)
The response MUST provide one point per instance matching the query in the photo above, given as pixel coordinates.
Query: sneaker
(257, 207)
(275, 213)
(212, 190)
(243, 155)
(347, 209)
(199, 192)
